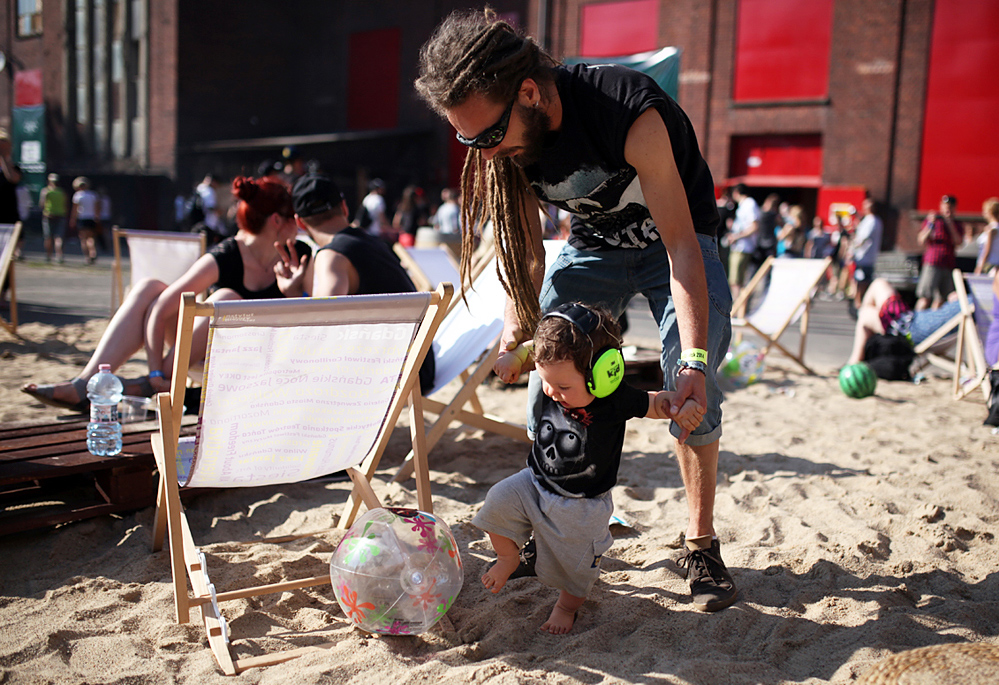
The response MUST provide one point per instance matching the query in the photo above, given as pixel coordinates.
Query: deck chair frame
(471, 379)
(466, 396)
(428, 266)
(937, 348)
(117, 276)
(188, 564)
(7, 272)
(970, 346)
(803, 303)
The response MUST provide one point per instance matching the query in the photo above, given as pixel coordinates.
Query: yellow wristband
(694, 355)
(523, 350)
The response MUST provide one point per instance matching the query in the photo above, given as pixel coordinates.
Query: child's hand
(688, 418)
(509, 365)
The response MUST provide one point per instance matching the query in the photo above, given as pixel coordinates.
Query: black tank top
(230, 264)
(378, 269)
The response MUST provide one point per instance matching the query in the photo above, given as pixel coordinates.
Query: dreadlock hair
(474, 53)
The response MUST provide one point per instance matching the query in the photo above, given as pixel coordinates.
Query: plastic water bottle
(104, 430)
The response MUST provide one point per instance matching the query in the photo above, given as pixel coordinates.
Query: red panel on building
(27, 87)
(782, 49)
(793, 160)
(373, 79)
(619, 28)
(960, 132)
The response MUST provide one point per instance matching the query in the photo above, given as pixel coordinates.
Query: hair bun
(245, 188)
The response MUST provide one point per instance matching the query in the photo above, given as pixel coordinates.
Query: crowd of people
(208, 211)
(755, 232)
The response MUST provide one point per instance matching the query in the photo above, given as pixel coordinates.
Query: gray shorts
(571, 534)
(935, 280)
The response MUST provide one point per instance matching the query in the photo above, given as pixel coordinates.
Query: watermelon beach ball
(857, 380)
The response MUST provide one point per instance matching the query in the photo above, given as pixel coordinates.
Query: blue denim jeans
(611, 278)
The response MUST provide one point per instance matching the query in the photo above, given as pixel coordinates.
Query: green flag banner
(28, 138)
(662, 65)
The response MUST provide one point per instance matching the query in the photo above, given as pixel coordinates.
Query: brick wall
(163, 108)
(871, 125)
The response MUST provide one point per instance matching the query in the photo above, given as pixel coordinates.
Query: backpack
(363, 217)
(890, 356)
(993, 418)
(194, 210)
(766, 239)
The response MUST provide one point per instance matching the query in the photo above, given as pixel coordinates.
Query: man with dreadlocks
(606, 144)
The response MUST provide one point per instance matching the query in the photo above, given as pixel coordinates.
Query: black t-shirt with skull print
(583, 170)
(577, 452)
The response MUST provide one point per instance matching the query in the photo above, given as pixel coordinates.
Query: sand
(855, 529)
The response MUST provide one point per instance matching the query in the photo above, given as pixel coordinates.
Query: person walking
(52, 200)
(865, 248)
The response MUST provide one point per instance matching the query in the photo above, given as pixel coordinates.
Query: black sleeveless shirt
(230, 264)
(583, 170)
(378, 269)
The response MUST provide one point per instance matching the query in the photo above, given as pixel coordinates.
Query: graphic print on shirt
(559, 452)
(608, 208)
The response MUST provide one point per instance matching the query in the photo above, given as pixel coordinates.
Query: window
(960, 139)
(29, 18)
(612, 29)
(776, 57)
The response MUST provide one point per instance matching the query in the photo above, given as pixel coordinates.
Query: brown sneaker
(711, 584)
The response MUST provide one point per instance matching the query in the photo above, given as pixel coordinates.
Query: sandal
(46, 395)
(141, 386)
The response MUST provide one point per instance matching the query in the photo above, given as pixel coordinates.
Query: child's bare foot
(560, 622)
(495, 578)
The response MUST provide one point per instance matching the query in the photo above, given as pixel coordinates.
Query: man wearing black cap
(349, 260)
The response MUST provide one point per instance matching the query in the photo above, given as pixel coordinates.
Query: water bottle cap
(104, 367)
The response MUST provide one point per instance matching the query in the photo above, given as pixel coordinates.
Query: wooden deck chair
(9, 235)
(466, 345)
(163, 255)
(976, 318)
(793, 283)
(293, 389)
(940, 348)
(428, 266)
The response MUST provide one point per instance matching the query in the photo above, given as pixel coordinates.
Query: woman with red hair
(240, 267)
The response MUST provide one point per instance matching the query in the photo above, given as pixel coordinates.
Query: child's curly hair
(558, 340)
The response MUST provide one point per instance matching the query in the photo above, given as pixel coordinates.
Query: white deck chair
(428, 266)
(466, 345)
(788, 299)
(941, 348)
(9, 235)
(976, 319)
(163, 255)
(293, 389)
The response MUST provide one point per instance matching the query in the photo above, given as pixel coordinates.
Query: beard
(537, 124)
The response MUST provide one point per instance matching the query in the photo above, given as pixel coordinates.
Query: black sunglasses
(493, 135)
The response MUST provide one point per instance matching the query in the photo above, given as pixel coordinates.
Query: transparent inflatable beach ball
(396, 572)
(743, 364)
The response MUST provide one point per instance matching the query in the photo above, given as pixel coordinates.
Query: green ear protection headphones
(606, 371)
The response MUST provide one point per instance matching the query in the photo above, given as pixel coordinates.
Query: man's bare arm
(648, 149)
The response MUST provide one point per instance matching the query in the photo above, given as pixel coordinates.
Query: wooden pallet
(47, 476)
